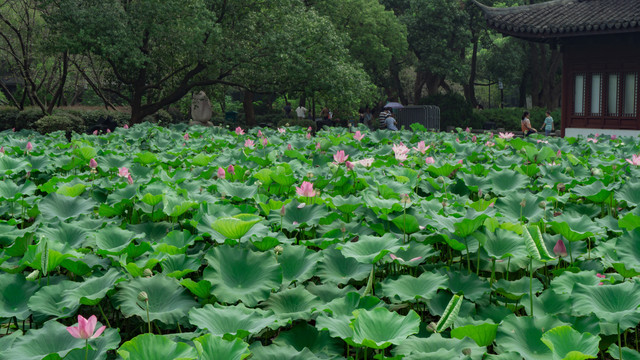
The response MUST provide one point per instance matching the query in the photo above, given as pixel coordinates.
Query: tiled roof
(565, 18)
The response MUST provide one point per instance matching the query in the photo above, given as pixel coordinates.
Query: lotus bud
(310, 175)
(405, 199)
(432, 327)
(147, 273)
(568, 169)
(343, 229)
(142, 296)
(440, 179)
(444, 204)
(278, 249)
(542, 204)
(33, 275)
(231, 170)
(560, 249)
(466, 351)
(93, 164)
(523, 203)
(596, 172)
(479, 193)
(487, 197)
(282, 211)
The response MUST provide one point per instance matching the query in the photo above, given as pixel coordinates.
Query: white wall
(574, 132)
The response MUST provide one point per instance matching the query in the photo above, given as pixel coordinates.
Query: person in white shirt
(301, 111)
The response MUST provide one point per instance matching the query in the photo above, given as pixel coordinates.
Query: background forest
(146, 57)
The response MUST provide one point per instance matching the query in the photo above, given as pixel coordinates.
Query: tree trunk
(397, 83)
(63, 79)
(469, 88)
(421, 79)
(249, 111)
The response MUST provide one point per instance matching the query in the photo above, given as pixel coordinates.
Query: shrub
(161, 117)
(27, 118)
(509, 118)
(60, 121)
(176, 115)
(454, 109)
(8, 117)
(270, 119)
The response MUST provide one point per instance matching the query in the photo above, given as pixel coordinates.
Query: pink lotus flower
(264, 141)
(289, 147)
(239, 131)
(393, 257)
(95, 132)
(430, 160)
(125, 126)
(358, 136)
(308, 136)
(85, 328)
(282, 130)
(108, 131)
(93, 164)
(259, 133)
(467, 129)
(601, 276)
(458, 140)
(130, 179)
(309, 128)
(614, 136)
(249, 143)
(123, 172)
(635, 160)
(306, 189)
(366, 162)
(29, 146)
(421, 148)
(489, 144)
(460, 161)
(221, 173)
(318, 146)
(186, 136)
(231, 170)
(560, 249)
(506, 135)
(474, 138)
(400, 151)
(559, 153)
(349, 165)
(542, 141)
(593, 140)
(340, 157)
(2, 149)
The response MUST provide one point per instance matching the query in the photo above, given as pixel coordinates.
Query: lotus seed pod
(487, 197)
(147, 273)
(542, 204)
(466, 351)
(568, 169)
(278, 249)
(258, 183)
(432, 327)
(440, 179)
(142, 296)
(561, 187)
(523, 203)
(596, 172)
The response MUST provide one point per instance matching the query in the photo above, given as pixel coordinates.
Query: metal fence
(426, 115)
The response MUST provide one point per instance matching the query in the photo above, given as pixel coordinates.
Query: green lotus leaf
(595, 191)
(235, 227)
(379, 328)
(348, 204)
(617, 304)
(283, 175)
(152, 200)
(444, 169)
(94, 289)
(52, 341)
(177, 239)
(212, 347)
(407, 223)
(9, 234)
(338, 327)
(114, 240)
(201, 160)
(239, 274)
(70, 236)
(534, 243)
(9, 165)
(86, 152)
(628, 249)
(296, 217)
(51, 300)
(11, 191)
(437, 347)
(412, 289)
(63, 207)
(109, 340)
(514, 290)
(574, 228)
(283, 352)
(154, 347)
(235, 320)
(175, 206)
(482, 333)
(629, 192)
(469, 225)
(237, 190)
(168, 301)
(567, 343)
(71, 190)
(335, 268)
(566, 282)
(200, 289)
(502, 244)
(379, 205)
(302, 336)
(469, 285)
(146, 158)
(15, 292)
(450, 313)
(292, 304)
(177, 266)
(627, 354)
(370, 249)
(298, 263)
(523, 334)
(506, 181)
(629, 221)
(549, 302)
(510, 206)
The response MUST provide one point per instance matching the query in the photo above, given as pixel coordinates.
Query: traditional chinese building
(600, 44)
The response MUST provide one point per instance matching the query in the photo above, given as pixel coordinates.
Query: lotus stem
(86, 349)
(508, 266)
(466, 244)
(619, 343)
(106, 319)
(531, 285)
(146, 303)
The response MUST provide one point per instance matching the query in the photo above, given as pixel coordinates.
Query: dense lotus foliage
(210, 243)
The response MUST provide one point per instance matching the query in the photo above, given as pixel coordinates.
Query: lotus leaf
(153, 347)
(523, 334)
(302, 336)
(231, 320)
(235, 227)
(379, 328)
(283, 352)
(437, 347)
(52, 338)
(63, 207)
(617, 304)
(567, 343)
(15, 293)
(409, 288)
(371, 249)
(239, 274)
(213, 348)
(298, 263)
(336, 268)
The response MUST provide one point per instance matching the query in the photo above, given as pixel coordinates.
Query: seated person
(391, 123)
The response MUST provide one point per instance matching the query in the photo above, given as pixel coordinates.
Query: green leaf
(154, 347)
(567, 343)
(63, 207)
(617, 304)
(302, 336)
(213, 348)
(535, 244)
(200, 289)
(15, 293)
(292, 304)
(522, 335)
(379, 328)
(370, 249)
(236, 320)
(235, 227)
(483, 334)
(412, 289)
(298, 263)
(450, 313)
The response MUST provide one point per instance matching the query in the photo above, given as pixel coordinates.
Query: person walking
(301, 112)
(548, 124)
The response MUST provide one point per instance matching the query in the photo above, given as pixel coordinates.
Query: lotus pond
(205, 243)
